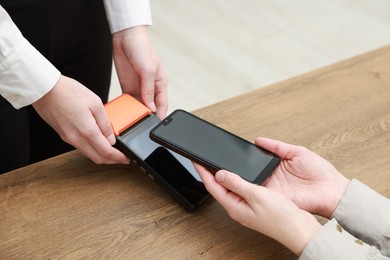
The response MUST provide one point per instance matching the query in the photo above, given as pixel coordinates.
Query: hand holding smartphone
(214, 147)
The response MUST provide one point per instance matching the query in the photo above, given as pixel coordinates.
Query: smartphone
(214, 147)
(175, 173)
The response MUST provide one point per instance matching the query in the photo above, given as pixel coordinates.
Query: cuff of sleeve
(125, 14)
(26, 75)
(333, 242)
(365, 214)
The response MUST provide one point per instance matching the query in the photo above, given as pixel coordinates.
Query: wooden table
(67, 207)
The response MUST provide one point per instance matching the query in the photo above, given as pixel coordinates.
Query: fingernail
(220, 176)
(111, 139)
(152, 107)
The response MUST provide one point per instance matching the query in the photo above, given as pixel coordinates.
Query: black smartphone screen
(214, 147)
(172, 169)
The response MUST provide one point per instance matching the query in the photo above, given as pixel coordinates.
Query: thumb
(234, 183)
(147, 92)
(104, 124)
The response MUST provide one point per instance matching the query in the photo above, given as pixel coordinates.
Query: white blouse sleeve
(123, 14)
(25, 74)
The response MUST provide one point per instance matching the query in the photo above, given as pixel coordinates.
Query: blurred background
(213, 50)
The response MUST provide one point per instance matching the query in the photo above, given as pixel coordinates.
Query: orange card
(124, 111)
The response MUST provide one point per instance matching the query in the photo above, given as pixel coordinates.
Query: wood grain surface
(69, 208)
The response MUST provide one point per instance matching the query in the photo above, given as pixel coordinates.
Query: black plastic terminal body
(122, 144)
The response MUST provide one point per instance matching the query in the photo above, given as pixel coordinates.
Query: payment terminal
(131, 122)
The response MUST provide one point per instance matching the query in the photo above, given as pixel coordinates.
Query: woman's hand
(78, 116)
(261, 209)
(310, 181)
(139, 69)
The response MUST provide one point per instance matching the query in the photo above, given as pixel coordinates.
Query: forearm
(297, 234)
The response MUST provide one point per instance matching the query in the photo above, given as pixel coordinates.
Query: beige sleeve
(333, 242)
(366, 215)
